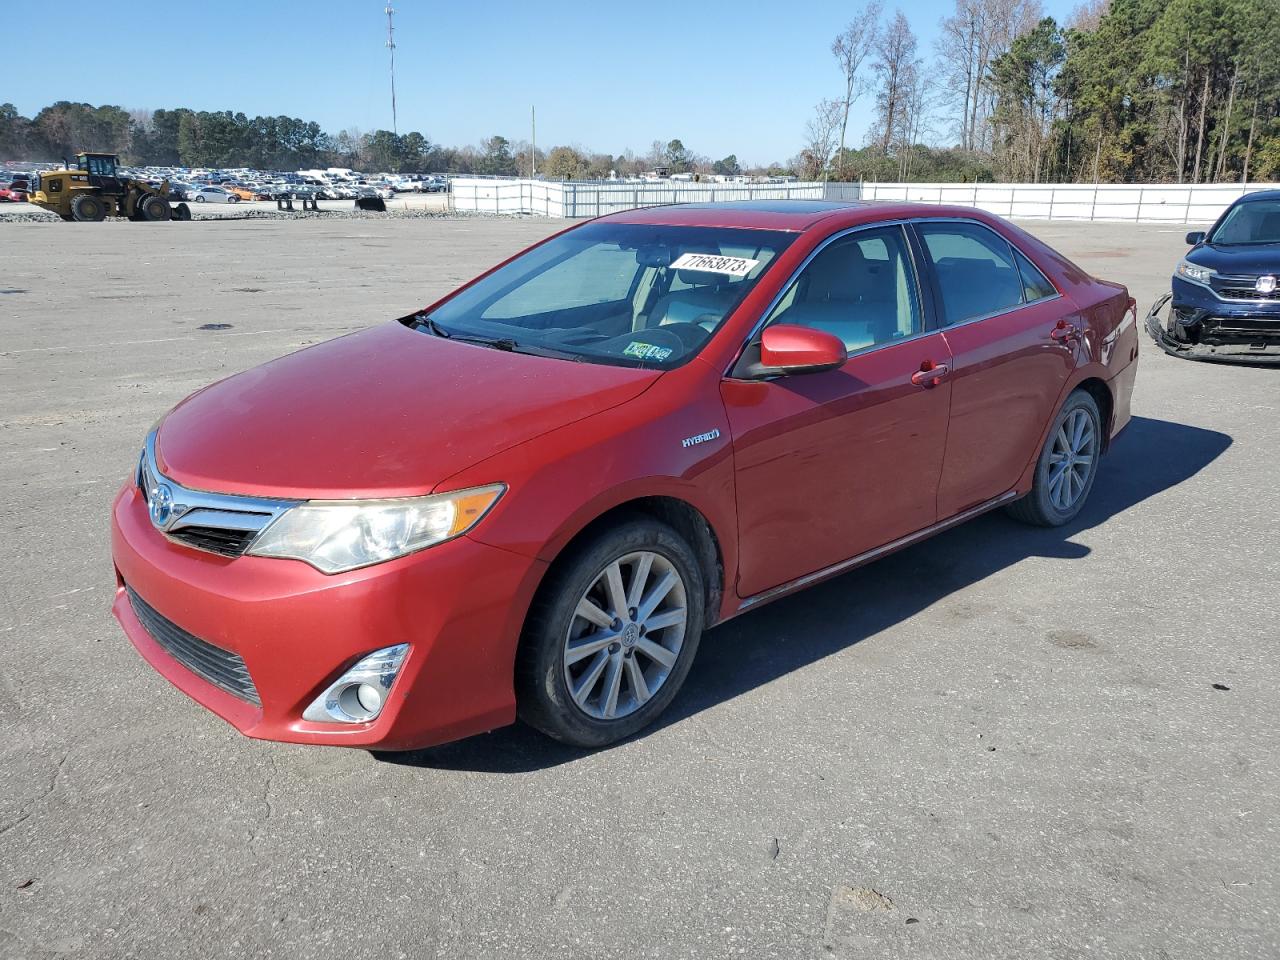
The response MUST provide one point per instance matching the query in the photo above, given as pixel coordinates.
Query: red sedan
(642, 426)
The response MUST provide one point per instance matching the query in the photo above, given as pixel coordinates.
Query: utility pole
(391, 46)
(533, 141)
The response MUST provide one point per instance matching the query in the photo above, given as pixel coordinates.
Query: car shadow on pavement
(1150, 457)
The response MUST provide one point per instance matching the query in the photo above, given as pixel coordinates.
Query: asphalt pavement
(1005, 742)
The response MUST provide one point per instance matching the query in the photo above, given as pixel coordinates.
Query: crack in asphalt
(265, 799)
(29, 806)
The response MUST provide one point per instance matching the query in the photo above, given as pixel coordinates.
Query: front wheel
(199, 199)
(612, 635)
(1067, 465)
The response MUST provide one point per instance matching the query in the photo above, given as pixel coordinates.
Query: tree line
(1183, 91)
(191, 138)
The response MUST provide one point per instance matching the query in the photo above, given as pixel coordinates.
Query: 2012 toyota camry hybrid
(645, 425)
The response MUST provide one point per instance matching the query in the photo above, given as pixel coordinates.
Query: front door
(831, 465)
(1011, 358)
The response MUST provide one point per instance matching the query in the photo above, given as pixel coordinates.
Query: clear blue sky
(731, 77)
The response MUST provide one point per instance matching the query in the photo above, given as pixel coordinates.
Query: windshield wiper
(509, 345)
(422, 321)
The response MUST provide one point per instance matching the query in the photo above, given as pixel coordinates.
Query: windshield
(1254, 221)
(618, 293)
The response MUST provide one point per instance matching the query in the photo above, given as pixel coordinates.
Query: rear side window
(975, 270)
(1035, 285)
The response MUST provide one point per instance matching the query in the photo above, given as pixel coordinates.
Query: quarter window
(975, 270)
(860, 287)
(1035, 285)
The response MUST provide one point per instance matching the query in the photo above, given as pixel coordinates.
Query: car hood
(1248, 259)
(385, 412)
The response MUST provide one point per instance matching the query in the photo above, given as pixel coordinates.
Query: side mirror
(1195, 236)
(787, 349)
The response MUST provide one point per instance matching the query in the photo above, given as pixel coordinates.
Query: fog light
(359, 695)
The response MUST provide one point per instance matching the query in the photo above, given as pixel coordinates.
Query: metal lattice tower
(391, 46)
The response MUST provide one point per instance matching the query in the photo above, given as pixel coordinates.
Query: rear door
(830, 465)
(1010, 357)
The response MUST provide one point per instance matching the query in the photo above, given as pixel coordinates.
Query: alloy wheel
(625, 635)
(1072, 459)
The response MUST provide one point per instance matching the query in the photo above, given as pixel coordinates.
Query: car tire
(199, 198)
(233, 199)
(1066, 467)
(87, 208)
(587, 684)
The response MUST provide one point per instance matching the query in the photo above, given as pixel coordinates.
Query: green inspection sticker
(645, 351)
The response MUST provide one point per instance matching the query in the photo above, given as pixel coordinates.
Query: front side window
(860, 287)
(974, 268)
(626, 294)
(1254, 221)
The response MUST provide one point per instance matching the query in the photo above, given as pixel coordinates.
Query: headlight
(338, 535)
(1194, 272)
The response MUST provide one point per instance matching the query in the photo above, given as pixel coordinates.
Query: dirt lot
(1003, 743)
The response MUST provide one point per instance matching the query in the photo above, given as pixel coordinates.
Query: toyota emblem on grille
(161, 504)
(1265, 284)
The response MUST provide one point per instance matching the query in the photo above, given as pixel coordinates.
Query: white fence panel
(1135, 203)
(594, 199)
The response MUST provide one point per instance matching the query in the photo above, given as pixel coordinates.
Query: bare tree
(895, 65)
(1088, 14)
(850, 48)
(970, 40)
(820, 139)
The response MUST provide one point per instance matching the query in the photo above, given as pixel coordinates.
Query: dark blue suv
(1226, 291)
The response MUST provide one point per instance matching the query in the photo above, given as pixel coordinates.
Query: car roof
(1260, 195)
(788, 215)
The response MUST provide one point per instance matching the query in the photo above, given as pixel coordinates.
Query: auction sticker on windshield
(714, 263)
(645, 351)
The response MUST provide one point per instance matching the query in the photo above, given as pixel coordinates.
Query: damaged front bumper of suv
(1204, 326)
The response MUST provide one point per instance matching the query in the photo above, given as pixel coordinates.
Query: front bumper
(460, 606)
(1202, 326)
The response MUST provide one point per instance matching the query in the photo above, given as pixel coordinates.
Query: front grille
(228, 543)
(221, 523)
(1241, 288)
(1248, 293)
(224, 669)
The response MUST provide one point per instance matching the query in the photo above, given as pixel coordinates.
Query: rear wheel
(612, 635)
(233, 199)
(1067, 465)
(88, 208)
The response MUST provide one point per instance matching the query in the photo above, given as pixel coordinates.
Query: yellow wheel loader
(94, 190)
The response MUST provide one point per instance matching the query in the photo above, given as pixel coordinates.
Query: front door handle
(1064, 332)
(930, 374)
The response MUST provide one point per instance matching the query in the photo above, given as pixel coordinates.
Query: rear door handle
(930, 374)
(1064, 332)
